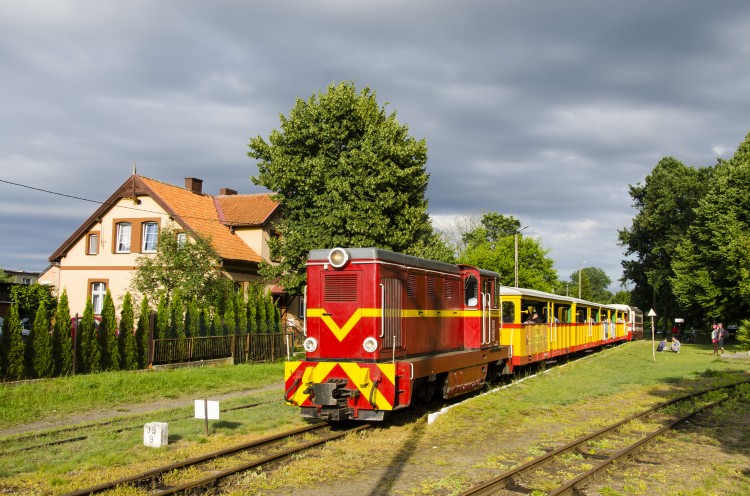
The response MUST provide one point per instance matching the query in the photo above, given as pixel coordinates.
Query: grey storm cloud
(543, 110)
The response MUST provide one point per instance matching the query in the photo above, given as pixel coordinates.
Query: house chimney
(227, 191)
(194, 184)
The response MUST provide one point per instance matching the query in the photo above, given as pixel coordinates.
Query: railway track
(592, 453)
(240, 458)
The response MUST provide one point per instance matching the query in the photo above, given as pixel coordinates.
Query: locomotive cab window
(470, 291)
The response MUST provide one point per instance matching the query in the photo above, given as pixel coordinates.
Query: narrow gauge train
(386, 331)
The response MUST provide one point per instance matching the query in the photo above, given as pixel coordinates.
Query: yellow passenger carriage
(539, 326)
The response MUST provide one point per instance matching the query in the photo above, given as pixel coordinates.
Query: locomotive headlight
(338, 257)
(370, 344)
(310, 345)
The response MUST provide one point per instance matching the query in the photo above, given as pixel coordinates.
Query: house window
(27, 280)
(181, 239)
(123, 237)
(150, 237)
(92, 244)
(98, 290)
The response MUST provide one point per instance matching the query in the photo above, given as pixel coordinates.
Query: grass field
(431, 459)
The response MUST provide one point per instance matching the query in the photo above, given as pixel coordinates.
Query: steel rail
(158, 472)
(570, 486)
(212, 480)
(491, 486)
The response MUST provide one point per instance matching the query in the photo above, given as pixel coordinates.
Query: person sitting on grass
(675, 345)
(662, 344)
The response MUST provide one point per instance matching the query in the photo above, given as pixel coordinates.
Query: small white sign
(156, 434)
(213, 409)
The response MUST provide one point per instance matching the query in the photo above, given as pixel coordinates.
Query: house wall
(78, 269)
(257, 238)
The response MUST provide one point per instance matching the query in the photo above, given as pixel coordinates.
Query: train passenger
(534, 319)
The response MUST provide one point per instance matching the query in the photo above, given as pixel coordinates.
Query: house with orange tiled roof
(101, 254)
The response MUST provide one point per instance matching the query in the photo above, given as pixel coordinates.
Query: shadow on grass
(223, 424)
(385, 484)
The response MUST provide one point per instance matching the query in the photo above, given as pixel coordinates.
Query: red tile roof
(212, 220)
(246, 210)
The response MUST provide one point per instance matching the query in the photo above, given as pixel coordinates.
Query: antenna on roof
(134, 167)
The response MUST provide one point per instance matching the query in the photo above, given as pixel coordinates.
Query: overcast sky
(544, 110)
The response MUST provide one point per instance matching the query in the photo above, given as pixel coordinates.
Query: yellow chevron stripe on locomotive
(342, 331)
(359, 375)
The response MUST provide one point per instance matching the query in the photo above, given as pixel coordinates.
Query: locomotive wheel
(424, 391)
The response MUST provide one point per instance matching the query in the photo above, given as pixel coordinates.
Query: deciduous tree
(491, 245)
(346, 174)
(711, 265)
(665, 210)
(190, 268)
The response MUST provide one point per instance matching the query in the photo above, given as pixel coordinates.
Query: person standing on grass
(715, 338)
(722, 334)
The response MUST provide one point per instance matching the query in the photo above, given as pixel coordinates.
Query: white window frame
(124, 236)
(98, 291)
(93, 244)
(150, 239)
(181, 239)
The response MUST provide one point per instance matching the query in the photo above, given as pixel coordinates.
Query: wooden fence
(241, 348)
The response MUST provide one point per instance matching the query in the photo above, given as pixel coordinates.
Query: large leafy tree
(190, 268)
(30, 296)
(594, 283)
(665, 209)
(712, 262)
(346, 174)
(490, 244)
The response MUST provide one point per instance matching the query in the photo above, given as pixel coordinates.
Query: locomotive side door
(489, 329)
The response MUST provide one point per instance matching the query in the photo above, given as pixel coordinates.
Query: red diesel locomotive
(386, 331)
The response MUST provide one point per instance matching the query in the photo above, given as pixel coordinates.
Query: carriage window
(470, 291)
(509, 312)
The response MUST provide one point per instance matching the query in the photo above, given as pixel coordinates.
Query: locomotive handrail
(486, 317)
(382, 311)
(304, 321)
